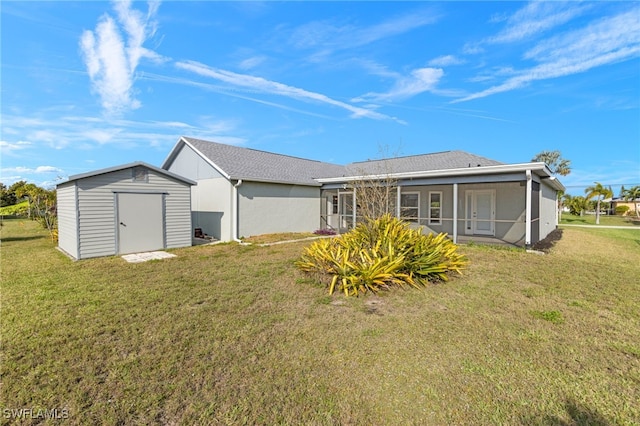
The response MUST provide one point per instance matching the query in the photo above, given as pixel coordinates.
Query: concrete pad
(143, 257)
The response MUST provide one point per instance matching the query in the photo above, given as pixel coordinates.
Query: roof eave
(126, 166)
(540, 168)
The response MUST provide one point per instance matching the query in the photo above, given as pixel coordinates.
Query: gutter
(503, 168)
(235, 219)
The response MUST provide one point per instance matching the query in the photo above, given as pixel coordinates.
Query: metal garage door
(140, 222)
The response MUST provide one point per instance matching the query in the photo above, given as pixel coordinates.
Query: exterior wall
(67, 219)
(268, 208)
(211, 207)
(97, 210)
(548, 210)
(446, 202)
(210, 198)
(510, 204)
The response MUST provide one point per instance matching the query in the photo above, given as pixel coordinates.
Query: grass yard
(590, 219)
(230, 334)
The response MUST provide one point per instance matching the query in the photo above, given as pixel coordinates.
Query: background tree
(633, 195)
(7, 197)
(599, 192)
(622, 192)
(555, 162)
(558, 166)
(577, 205)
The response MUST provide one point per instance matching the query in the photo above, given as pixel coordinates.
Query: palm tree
(555, 162)
(600, 192)
(633, 195)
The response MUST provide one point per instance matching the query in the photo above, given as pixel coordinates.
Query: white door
(140, 223)
(480, 212)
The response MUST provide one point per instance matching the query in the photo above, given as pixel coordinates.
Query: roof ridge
(260, 151)
(412, 155)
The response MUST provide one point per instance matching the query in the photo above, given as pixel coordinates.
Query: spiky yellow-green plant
(379, 254)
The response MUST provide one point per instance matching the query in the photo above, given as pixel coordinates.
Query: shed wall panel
(67, 219)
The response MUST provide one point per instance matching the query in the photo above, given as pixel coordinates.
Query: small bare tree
(377, 191)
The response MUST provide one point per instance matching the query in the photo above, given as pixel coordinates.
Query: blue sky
(88, 85)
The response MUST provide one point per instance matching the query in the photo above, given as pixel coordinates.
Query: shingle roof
(420, 163)
(252, 164)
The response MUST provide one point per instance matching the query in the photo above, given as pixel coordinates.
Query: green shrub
(380, 254)
(19, 209)
(621, 210)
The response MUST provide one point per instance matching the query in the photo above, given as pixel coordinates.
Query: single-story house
(632, 205)
(130, 208)
(243, 192)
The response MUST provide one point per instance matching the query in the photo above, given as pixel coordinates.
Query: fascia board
(466, 171)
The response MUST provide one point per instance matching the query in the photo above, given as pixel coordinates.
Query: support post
(399, 198)
(455, 213)
(527, 220)
(355, 206)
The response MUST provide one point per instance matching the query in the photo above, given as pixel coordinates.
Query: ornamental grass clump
(380, 254)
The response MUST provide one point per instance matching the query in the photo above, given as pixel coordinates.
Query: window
(140, 174)
(410, 206)
(334, 204)
(435, 208)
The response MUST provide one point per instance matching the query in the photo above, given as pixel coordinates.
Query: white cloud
(252, 62)
(263, 85)
(536, 17)
(9, 148)
(328, 35)
(445, 61)
(47, 169)
(607, 41)
(111, 60)
(419, 81)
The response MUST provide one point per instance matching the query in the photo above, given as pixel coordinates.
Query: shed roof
(128, 166)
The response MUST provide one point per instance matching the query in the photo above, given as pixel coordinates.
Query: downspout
(527, 224)
(235, 219)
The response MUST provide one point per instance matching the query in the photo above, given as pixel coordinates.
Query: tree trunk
(598, 212)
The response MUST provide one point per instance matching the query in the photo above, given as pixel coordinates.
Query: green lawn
(590, 219)
(231, 334)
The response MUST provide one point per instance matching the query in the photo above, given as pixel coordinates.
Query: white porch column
(399, 197)
(455, 213)
(355, 207)
(527, 220)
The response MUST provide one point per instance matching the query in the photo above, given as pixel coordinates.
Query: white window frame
(404, 208)
(432, 220)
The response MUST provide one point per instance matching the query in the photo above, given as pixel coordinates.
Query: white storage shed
(124, 209)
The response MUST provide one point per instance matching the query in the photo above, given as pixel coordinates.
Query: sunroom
(512, 204)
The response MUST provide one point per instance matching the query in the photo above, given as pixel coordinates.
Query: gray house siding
(210, 198)
(269, 208)
(97, 210)
(68, 222)
(548, 210)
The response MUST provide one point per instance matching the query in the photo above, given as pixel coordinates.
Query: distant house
(618, 201)
(243, 192)
(130, 208)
